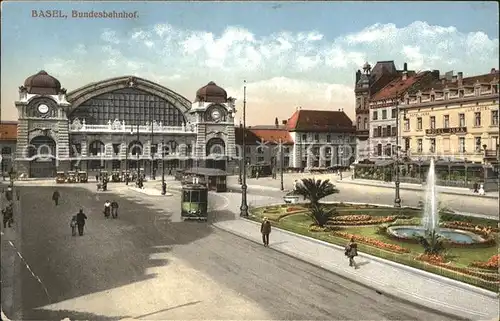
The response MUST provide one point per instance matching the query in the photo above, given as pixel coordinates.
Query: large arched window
(359, 123)
(130, 105)
(135, 148)
(97, 148)
(170, 148)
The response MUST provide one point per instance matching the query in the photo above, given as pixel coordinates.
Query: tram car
(194, 203)
(115, 177)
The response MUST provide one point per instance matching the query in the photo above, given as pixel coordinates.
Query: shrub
(352, 218)
(316, 228)
(431, 258)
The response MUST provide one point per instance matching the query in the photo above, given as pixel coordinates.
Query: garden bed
(465, 265)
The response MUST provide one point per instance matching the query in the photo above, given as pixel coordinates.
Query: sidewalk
(417, 187)
(390, 278)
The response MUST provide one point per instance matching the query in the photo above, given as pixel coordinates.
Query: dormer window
(407, 101)
(419, 99)
(477, 90)
(461, 94)
(494, 89)
(432, 97)
(446, 94)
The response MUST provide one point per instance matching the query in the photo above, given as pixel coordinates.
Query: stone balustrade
(130, 129)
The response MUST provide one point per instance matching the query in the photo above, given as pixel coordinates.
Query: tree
(314, 190)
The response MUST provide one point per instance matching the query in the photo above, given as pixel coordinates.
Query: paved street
(149, 265)
(376, 195)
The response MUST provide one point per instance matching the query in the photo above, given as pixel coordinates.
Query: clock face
(215, 114)
(43, 109)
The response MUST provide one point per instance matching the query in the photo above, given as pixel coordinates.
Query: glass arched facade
(130, 105)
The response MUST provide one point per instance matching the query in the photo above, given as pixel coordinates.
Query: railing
(112, 128)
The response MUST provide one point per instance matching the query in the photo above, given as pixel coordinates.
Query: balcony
(362, 133)
(490, 154)
(124, 129)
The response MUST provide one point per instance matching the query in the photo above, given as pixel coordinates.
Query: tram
(194, 204)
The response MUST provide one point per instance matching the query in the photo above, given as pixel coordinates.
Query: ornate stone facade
(118, 124)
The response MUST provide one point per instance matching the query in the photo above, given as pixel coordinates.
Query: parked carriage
(83, 177)
(194, 203)
(60, 177)
(71, 177)
(116, 177)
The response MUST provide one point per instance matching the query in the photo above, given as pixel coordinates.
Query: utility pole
(244, 205)
(281, 164)
(397, 198)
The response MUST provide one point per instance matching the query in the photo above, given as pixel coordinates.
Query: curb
(374, 287)
(465, 286)
(415, 188)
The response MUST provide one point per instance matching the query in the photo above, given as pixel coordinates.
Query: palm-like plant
(314, 190)
(433, 243)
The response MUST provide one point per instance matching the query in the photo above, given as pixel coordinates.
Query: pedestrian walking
(80, 221)
(107, 209)
(265, 229)
(351, 250)
(55, 197)
(73, 225)
(8, 216)
(114, 209)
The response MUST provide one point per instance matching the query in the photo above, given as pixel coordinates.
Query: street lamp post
(281, 165)
(136, 152)
(397, 197)
(239, 171)
(151, 152)
(244, 205)
(163, 185)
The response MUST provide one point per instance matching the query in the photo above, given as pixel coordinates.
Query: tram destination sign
(449, 130)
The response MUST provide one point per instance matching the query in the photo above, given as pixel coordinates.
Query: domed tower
(42, 122)
(213, 112)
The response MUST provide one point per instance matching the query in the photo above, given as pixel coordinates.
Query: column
(322, 155)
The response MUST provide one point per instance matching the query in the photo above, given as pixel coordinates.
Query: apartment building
(383, 110)
(456, 119)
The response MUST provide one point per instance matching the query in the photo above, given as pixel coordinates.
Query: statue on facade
(23, 93)
(83, 124)
(116, 124)
(76, 124)
(131, 82)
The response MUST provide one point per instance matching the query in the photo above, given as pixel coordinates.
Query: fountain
(430, 219)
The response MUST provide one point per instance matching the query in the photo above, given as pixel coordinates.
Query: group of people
(78, 220)
(350, 250)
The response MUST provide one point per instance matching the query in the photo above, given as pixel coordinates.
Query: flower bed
(478, 229)
(295, 209)
(371, 221)
(352, 218)
(492, 264)
(373, 242)
(431, 258)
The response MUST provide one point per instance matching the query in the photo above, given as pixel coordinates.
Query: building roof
(8, 130)
(211, 93)
(269, 135)
(320, 121)
(42, 83)
(468, 81)
(399, 86)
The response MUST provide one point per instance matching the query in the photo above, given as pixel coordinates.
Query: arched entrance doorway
(216, 154)
(42, 151)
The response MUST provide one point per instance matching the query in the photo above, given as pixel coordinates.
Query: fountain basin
(456, 236)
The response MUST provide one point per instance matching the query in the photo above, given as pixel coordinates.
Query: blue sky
(291, 53)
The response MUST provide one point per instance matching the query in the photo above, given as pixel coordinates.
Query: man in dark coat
(351, 250)
(8, 216)
(114, 209)
(80, 221)
(265, 229)
(55, 197)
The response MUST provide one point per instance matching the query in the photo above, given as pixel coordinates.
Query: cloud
(290, 68)
(292, 93)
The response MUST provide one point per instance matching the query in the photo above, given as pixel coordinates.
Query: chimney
(460, 77)
(358, 75)
(443, 81)
(435, 74)
(284, 122)
(453, 78)
(405, 67)
(405, 75)
(493, 71)
(276, 122)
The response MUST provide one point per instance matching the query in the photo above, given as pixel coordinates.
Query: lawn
(299, 222)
